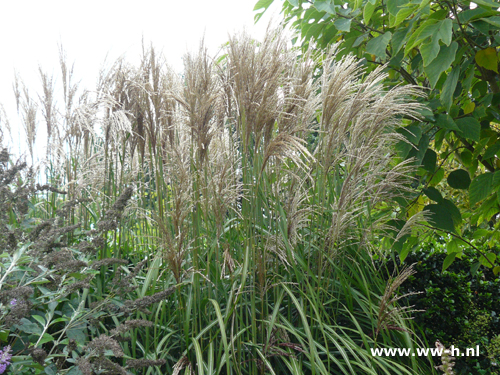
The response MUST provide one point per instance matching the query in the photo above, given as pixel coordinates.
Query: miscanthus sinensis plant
(264, 181)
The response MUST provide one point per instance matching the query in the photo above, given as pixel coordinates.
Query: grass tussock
(250, 193)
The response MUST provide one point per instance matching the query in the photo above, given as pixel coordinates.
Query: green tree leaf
(448, 261)
(368, 12)
(429, 160)
(343, 24)
(446, 122)
(325, 6)
(492, 151)
(393, 6)
(488, 260)
(449, 88)
(441, 63)
(378, 45)
(434, 194)
(440, 217)
(459, 179)
(403, 14)
(495, 21)
(480, 188)
(470, 127)
(488, 59)
(429, 51)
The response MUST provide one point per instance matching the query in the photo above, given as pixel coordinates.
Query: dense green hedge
(461, 306)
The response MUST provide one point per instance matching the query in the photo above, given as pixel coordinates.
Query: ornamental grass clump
(263, 182)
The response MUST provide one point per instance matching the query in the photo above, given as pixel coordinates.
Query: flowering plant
(5, 358)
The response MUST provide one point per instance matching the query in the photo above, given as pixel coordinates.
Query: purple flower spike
(13, 302)
(5, 357)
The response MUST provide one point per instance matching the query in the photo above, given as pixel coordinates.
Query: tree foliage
(450, 48)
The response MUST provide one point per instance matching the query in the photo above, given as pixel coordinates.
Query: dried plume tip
(447, 360)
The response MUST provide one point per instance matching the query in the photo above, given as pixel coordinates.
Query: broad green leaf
(481, 233)
(399, 38)
(453, 210)
(39, 319)
(50, 370)
(368, 12)
(430, 30)
(453, 246)
(496, 180)
(4, 335)
(29, 327)
(343, 24)
(469, 108)
(480, 188)
(446, 122)
(459, 179)
(470, 127)
(74, 371)
(378, 45)
(429, 51)
(449, 88)
(441, 63)
(466, 157)
(46, 338)
(495, 21)
(325, 6)
(423, 4)
(449, 260)
(488, 59)
(437, 177)
(429, 160)
(481, 26)
(469, 75)
(445, 31)
(415, 38)
(434, 194)
(440, 217)
(416, 207)
(393, 6)
(496, 270)
(403, 14)
(263, 4)
(488, 260)
(419, 153)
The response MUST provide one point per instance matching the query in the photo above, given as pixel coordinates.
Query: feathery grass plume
(29, 110)
(297, 107)
(178, 176)
(182, 364)
(47, 101)
(447, 360)
(358, 121)
(4, 124)
(255, 72)
(389, 315)
(298, 212)
(200, 100)
(221, 186)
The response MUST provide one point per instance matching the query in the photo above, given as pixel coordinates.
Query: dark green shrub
(460, 306)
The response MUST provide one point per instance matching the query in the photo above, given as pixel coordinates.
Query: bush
(460, 307)
(46, 313)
